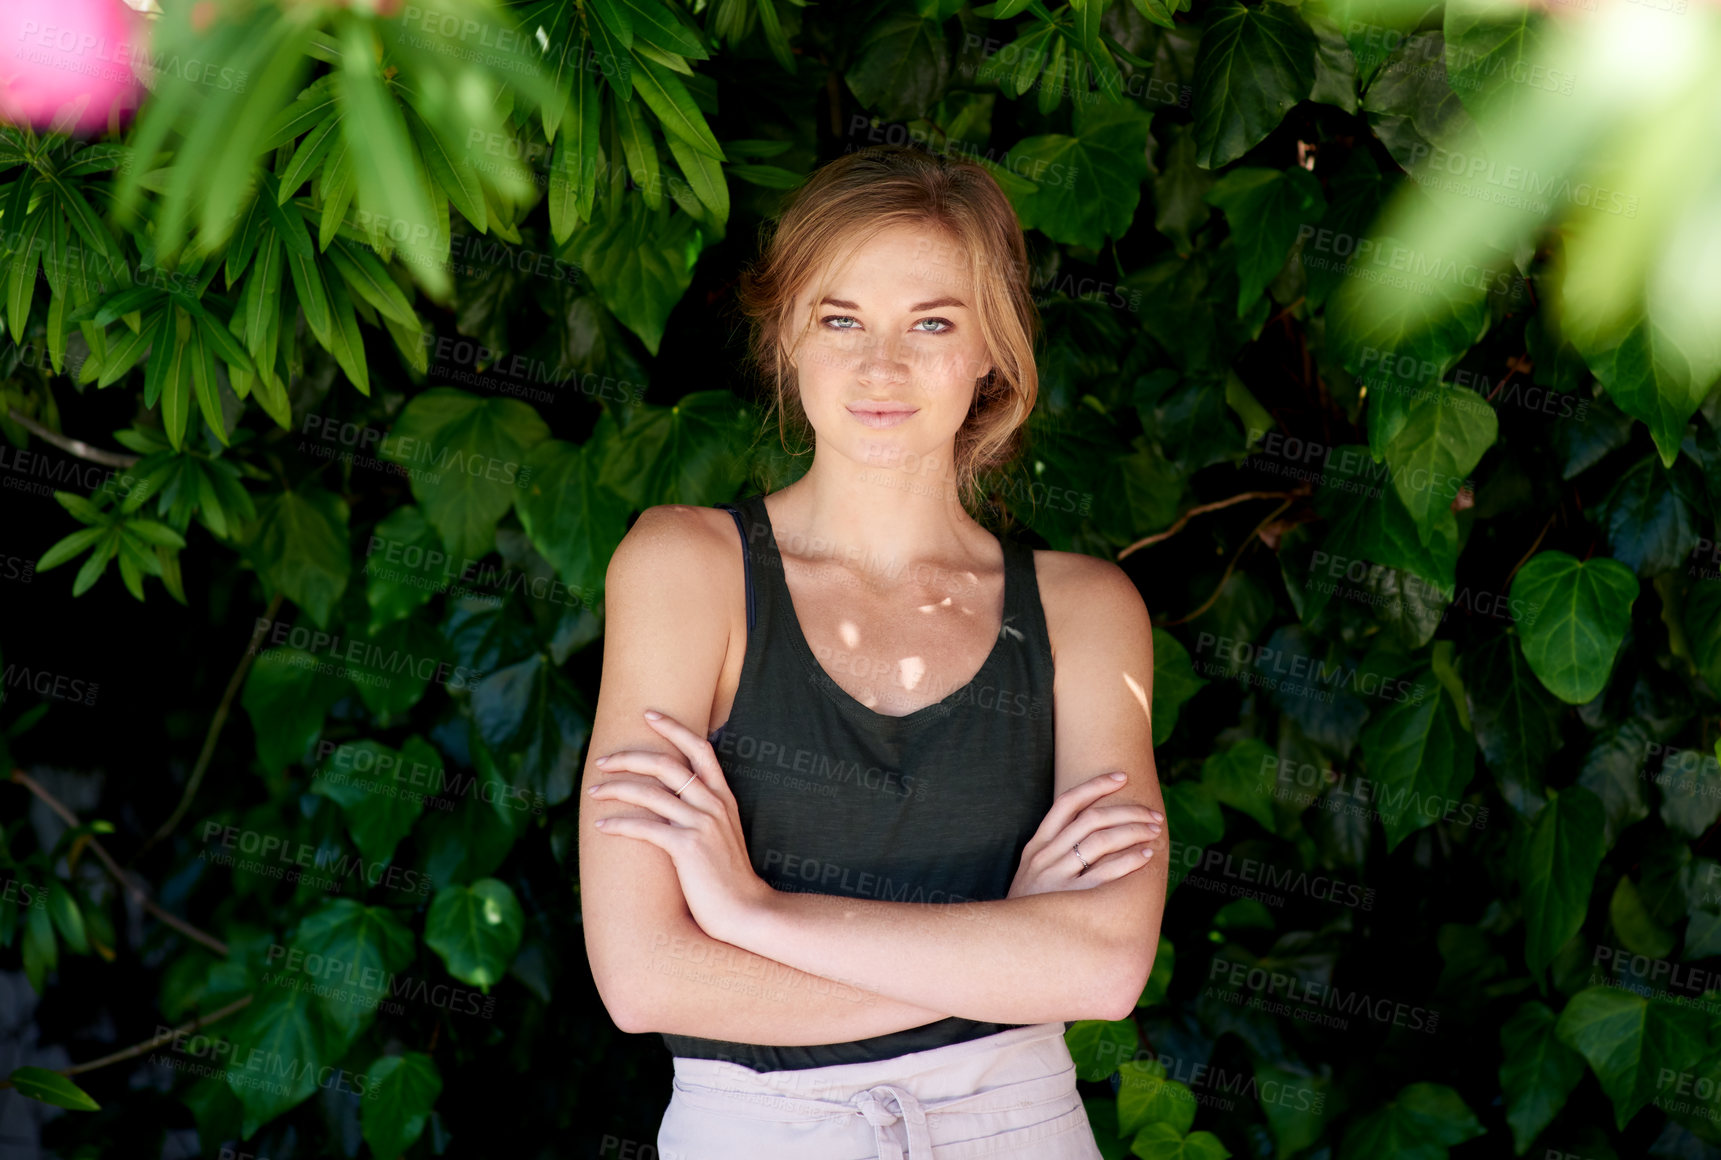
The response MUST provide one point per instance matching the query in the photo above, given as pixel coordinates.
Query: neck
(905, 511)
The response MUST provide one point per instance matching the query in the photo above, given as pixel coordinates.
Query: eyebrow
(844, 304)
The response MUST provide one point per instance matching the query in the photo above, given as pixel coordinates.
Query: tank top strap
(1024, 614)
(746, 561)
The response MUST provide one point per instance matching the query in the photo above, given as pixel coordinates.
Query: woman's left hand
(700, 830)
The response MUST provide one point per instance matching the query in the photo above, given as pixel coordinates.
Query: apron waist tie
(886, 1105)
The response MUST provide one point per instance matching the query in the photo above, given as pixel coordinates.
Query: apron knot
(887, 1105)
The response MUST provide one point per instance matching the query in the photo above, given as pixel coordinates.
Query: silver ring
(1077, 851)
(695, 778)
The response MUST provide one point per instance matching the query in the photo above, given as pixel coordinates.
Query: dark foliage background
(1421, 491)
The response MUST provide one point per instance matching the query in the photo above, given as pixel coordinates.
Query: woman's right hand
(1114, 840)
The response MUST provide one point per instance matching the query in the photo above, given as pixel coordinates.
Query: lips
(881, 414)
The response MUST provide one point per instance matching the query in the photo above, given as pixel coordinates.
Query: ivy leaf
(1537, 1072)
(1252, 66)
(1631, 1042)
(1370, 522)
(1650, 528)
(1703, 629)
(1266, 209)
(901, 68)
(1491, 49)
(370, 945)
(1420, 1124)
(1648, 375)
(1236, 778)
(1164, 1142)
(467, 453)
(1354, 196)
(281, 1031)
(1517, 720)
(1180, 190)
(405, 565)
(298, 544)
(1560, 861)
(407, 1087)
(369, 781)
(1145, 1096)
(1089, 184)
(686, 453)
(531, 711)
(1419, 752)
(640, 261)
(1446, 431)
(1100, 1046)
(573, 520)
(476, 929)
(287, 700)
(1583, 613)
(1174, 682)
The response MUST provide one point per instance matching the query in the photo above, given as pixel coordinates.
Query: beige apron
(1012, 1094)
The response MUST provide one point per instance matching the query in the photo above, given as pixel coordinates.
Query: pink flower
(69, 57)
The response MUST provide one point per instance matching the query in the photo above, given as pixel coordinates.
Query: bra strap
(746, 560)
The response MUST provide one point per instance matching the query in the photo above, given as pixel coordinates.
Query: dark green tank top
(834, 798)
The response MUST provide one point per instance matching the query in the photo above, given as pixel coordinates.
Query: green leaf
(1237, 779)
(1145, 1096)
(468, 452)
(280, 1045)
(371, 784)
(654, 24)
(1180, 190)
(476, 929)
(1163, 1142)
(1702, 629)
(1174, 682)
(1446, 431)
(530, 710)
(1560, 862)
(640, 262)
(1496, 55)
(575, 522)
(1648, 375)
(1420, 1124)
(407, 1088)
(669, 99)
(1631, 1043)
(1159, 978)
(41, 953)
(901, 67)
(359, 949)
(1419, 753)
(69, 547)
(1650, 528)
(68, 919)
(1089, 184)
(1517, 720)
(1266, 209)
(287, 700)
(1583, 611)
(405, 565)
(298, 544)
(1636, 927)
(1253, 64)
(1537, 1072)
(685, 453)
(50, 1087)
(1100, 1046)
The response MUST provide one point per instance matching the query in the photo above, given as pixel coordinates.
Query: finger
(651, 796)
(1094, 819)
(1110, 839)
(646, 829)
(1115, 866)
(696, 748)
(1075, 799)
(666, 770)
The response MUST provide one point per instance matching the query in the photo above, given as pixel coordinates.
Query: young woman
(872, 806)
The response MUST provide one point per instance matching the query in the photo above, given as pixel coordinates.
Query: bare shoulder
(676, 540)
(1089, 603)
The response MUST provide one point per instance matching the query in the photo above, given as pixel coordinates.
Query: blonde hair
(851, 199)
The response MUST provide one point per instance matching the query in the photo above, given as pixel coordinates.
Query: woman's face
(889, 364)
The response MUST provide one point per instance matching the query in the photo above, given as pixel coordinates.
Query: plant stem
(72, 446)
(138, 1049)
(214, 733)
(1209, 507)
(125, 880)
